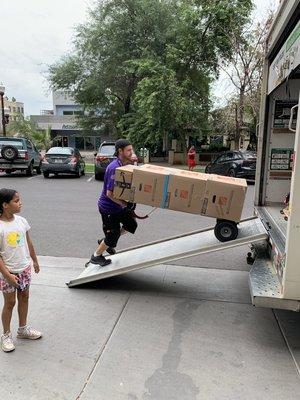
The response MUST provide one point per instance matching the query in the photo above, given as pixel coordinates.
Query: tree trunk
(239, 117)
(165, 141)
(253, 136)
(127, 105)
(237, 129)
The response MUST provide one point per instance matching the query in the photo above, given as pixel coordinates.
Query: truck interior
(275, 180)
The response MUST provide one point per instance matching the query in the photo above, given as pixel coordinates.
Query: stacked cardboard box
(224, 197)
(210, 195)
(186, 191)
(123, 183)
(150, 185)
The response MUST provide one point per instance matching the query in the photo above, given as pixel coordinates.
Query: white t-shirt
(14, 249)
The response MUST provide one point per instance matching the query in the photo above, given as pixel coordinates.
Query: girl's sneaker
(27, 332)
(7, 343)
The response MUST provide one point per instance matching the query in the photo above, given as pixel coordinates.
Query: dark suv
(19, 154)
(240, 164)
(105, 155)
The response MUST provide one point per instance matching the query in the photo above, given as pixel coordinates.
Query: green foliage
(42, 139)
(217, 148)
(239, 117)
(163, 105)
(24, 127)
(144, 67)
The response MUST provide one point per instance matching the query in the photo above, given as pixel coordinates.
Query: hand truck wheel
(225, 230)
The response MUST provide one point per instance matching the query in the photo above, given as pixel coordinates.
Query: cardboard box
(186, 191)
(150, 185)
(192, 192)
(158, 168)
(123, 183)
(224, 197)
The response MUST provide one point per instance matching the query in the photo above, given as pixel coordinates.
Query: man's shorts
(112, 226)
(24, 282)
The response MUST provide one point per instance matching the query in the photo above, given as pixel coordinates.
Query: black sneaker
(100, 260)
(110, 250)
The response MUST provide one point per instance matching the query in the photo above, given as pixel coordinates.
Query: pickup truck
(19, 154)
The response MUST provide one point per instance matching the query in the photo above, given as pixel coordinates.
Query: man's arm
(110, 195)
(110, 179)
(32, 253)
(10, 278)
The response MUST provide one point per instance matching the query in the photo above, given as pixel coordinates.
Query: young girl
(191, 158)
(16, 257)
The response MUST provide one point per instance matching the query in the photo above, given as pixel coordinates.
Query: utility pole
(2, 91)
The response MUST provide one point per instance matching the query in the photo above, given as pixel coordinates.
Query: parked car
(63, 160)
(19, 154)
(104, 156)
(240, 164)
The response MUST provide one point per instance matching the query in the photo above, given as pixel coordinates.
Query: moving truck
(275, 276)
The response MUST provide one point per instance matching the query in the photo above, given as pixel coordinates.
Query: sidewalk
(165, 333)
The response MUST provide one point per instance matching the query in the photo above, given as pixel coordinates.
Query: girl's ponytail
(6, 195)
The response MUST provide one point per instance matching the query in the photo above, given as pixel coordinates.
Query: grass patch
(89, 168)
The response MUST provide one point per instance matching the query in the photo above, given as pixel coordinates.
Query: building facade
(62, 121)
(13, 108)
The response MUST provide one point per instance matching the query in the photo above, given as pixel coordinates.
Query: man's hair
(121, 144)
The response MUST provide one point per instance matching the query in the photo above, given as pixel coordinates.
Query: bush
(217, 148)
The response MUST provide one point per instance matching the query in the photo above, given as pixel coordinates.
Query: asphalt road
(62, 212)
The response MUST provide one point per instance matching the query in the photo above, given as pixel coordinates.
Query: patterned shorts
(24, 282)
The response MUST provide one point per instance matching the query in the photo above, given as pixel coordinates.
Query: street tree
(144, 67)
(245, 69)
(24, 127)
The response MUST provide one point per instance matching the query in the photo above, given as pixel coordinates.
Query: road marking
(91, 178)
(33, 177)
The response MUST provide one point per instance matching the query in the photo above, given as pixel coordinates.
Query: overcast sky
(36, 33)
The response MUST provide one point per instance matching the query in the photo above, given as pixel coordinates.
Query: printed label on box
(222, 201)
(184, 194)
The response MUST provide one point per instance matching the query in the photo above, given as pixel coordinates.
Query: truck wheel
(9, 152)
(226, 230)
(29, 170)
(231, 173)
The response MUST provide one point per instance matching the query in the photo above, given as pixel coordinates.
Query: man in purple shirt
(114, 212)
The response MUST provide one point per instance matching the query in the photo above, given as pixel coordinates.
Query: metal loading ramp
(191, 244)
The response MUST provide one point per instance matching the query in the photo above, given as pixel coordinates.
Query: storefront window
(61, 141)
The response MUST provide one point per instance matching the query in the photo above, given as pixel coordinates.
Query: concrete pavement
(165, 333)
(182, 331)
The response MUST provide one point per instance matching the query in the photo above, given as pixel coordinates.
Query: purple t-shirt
(105, 204)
